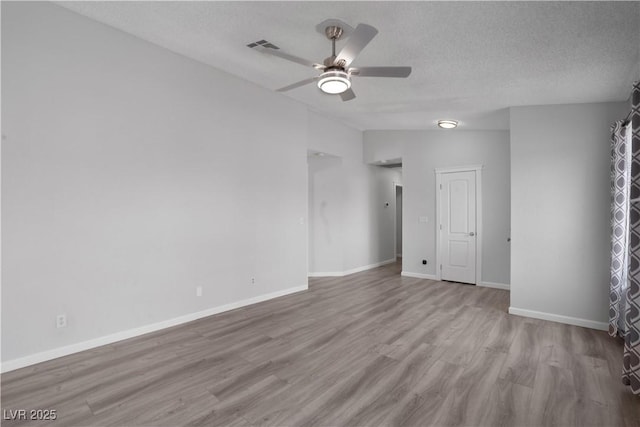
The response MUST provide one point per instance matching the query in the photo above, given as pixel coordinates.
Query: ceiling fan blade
(347, 95)
(298, 84)
(381, 71)
(359, 38)
(289, 57)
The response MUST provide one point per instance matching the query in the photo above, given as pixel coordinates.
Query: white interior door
(458, 226)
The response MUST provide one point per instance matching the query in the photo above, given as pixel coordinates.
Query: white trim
(351, 271)
(370, 266)
(395, 218)
(479, 232)
(326, 274)
(419, 275)
(32, 359)
(559, 318)
(459, 169)
(495, 285)
(437, 224)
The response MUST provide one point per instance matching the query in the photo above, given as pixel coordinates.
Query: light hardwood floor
(370, 349)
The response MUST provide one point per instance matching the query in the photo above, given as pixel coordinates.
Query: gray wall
(422, 152)
(350, 227)
(560, 193)
(131, 175)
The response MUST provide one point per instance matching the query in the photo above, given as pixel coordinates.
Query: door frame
(395, 219)
(477, 169)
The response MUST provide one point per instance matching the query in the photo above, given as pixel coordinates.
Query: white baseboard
(494, 285)
(370, 266)
(434, 277)
(326, 274)
(32, 359)
(559, 318)
(419, 275)
(351, 271)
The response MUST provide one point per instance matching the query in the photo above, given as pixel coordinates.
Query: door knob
(472, 234)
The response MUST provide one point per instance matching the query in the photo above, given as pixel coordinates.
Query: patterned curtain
(631, 357)
(620, 185)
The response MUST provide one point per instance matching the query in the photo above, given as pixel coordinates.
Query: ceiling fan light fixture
(334, 82)
(448, 124)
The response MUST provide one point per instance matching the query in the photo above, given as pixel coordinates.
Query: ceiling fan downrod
(333, 33)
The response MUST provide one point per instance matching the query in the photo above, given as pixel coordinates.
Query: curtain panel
(620, 185)
(631, 357)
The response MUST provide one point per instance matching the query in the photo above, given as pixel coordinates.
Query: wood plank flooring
(370, 349)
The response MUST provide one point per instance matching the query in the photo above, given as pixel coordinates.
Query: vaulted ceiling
(471, 60)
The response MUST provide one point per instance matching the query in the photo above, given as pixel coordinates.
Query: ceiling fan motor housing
(330, 63)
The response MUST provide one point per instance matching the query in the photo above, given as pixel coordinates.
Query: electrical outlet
(199, 291)
(253, 280)
(61, 321)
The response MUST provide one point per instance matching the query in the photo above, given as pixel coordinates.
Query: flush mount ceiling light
(448, 124)
(334, 82)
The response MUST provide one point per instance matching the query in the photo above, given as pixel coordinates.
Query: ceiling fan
(336, 75)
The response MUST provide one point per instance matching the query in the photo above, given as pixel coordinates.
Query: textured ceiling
(471, 60)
